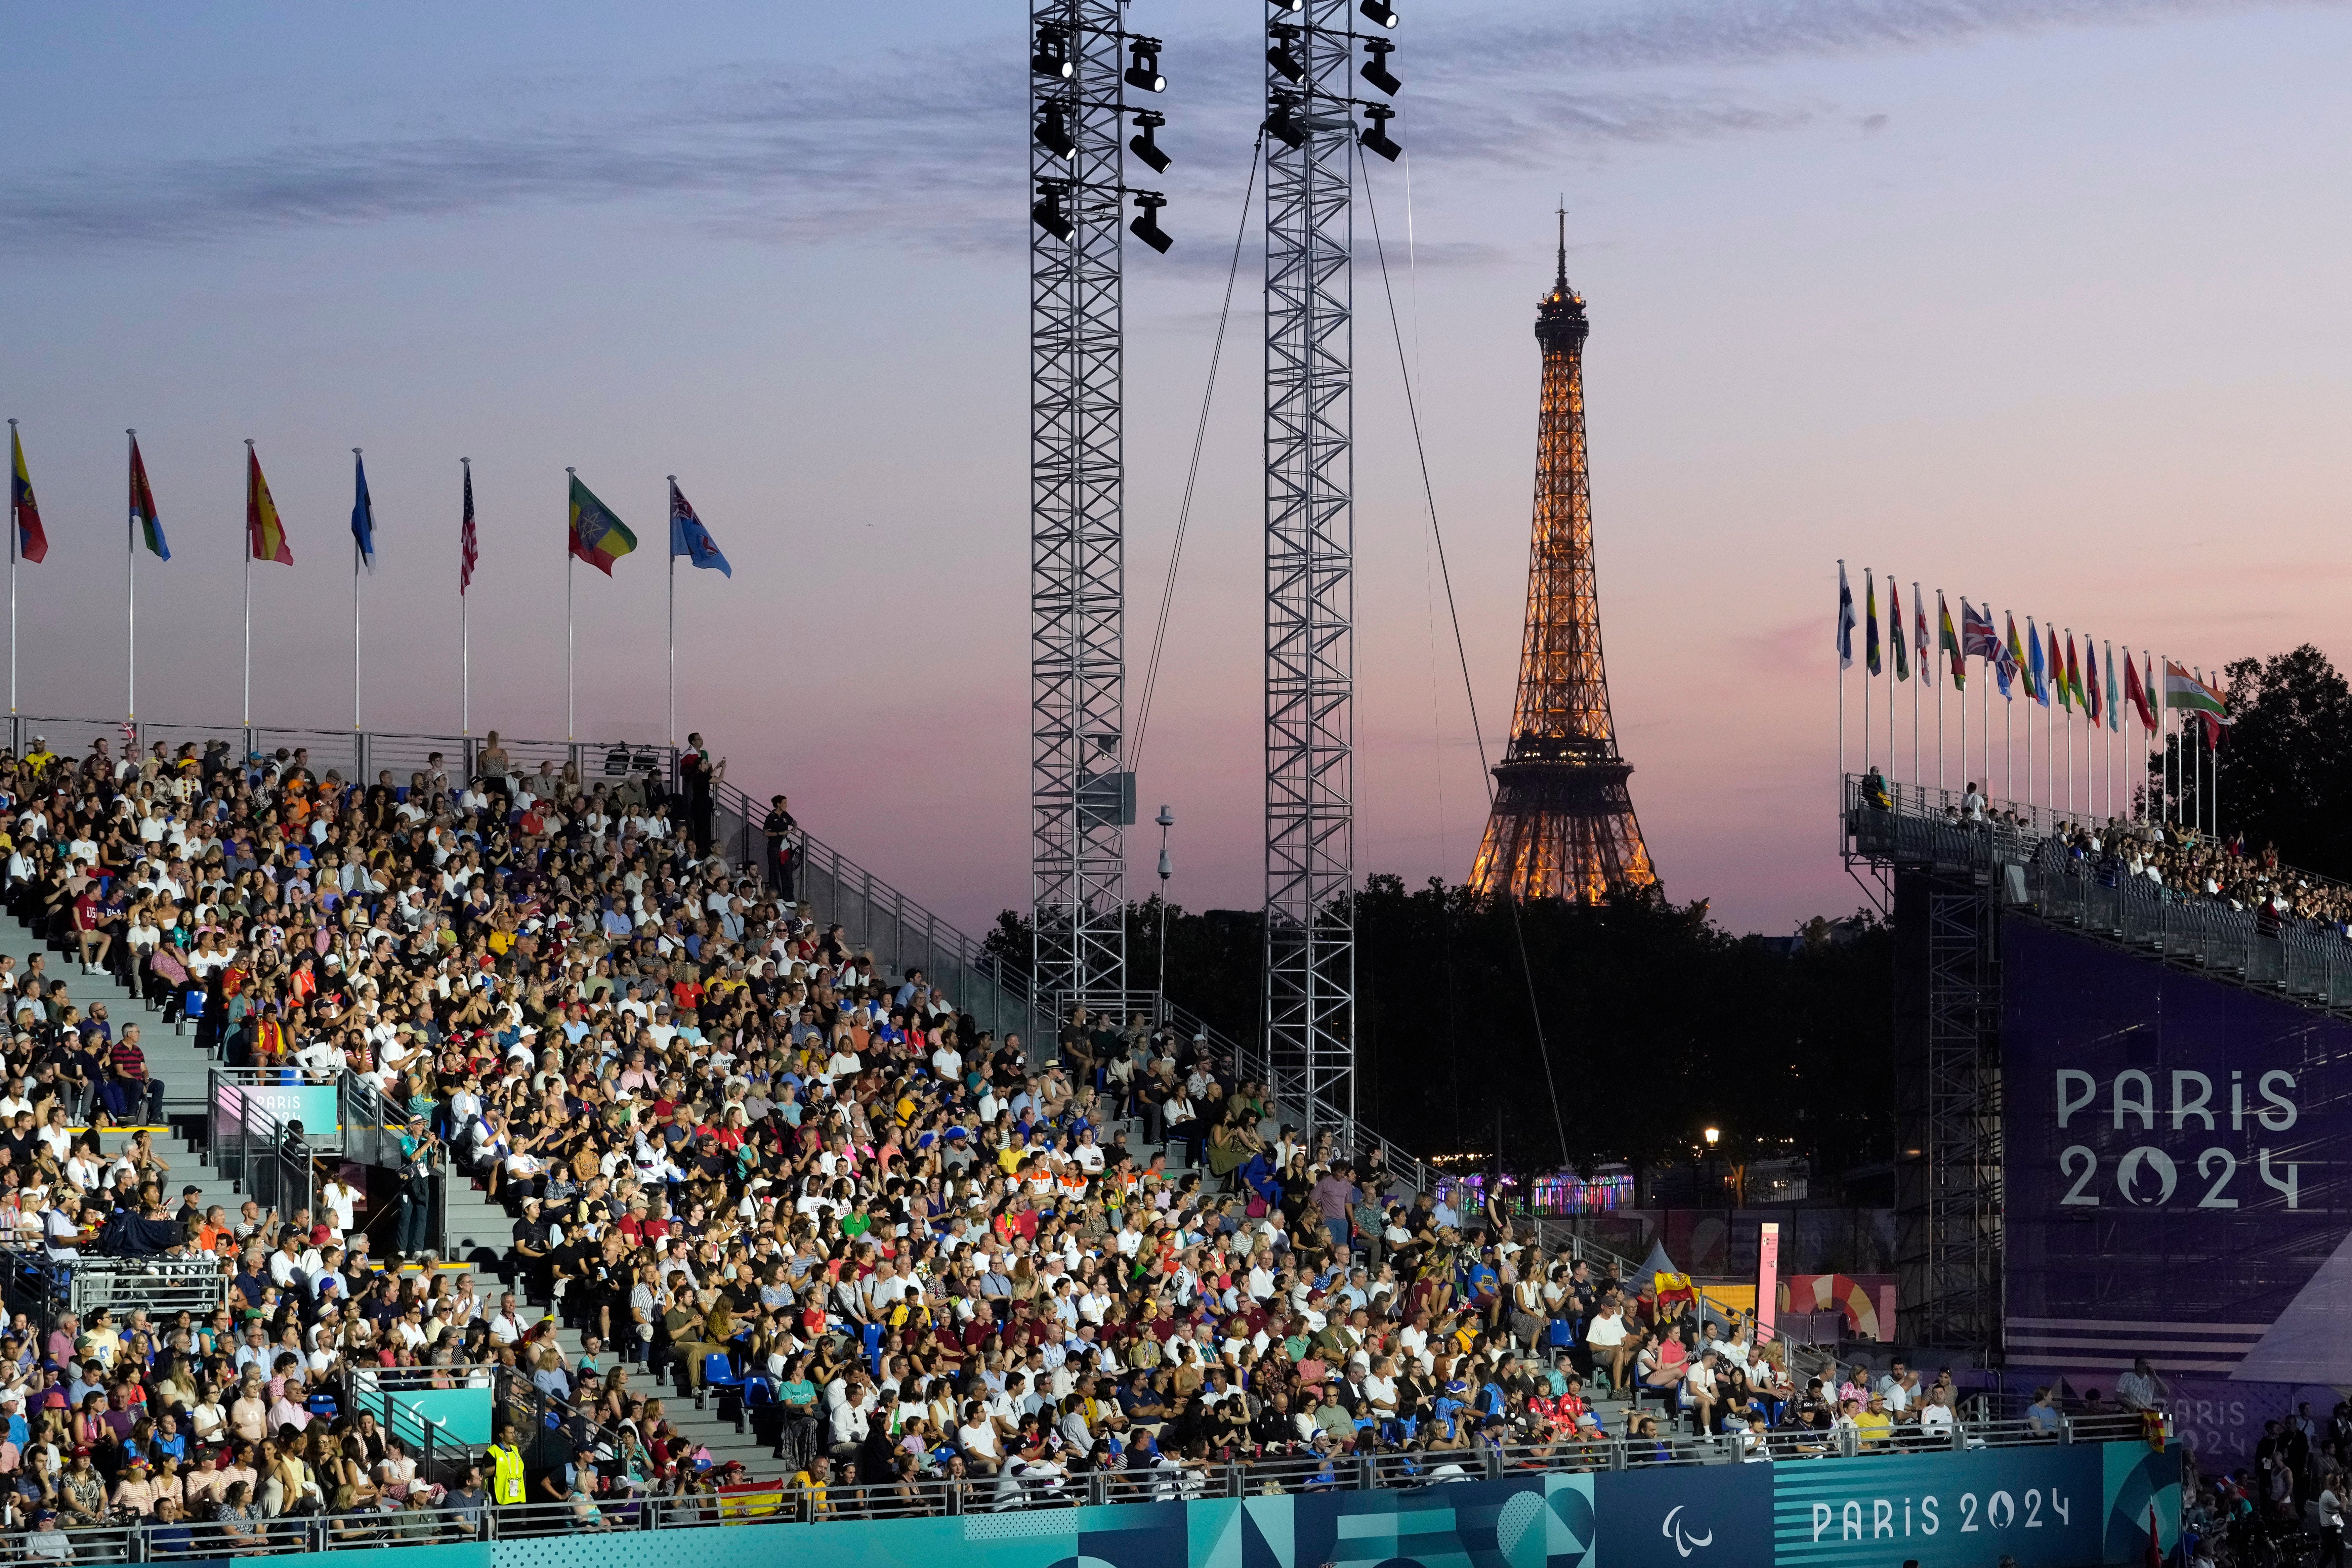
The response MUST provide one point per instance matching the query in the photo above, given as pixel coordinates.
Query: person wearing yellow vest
(506, 1468)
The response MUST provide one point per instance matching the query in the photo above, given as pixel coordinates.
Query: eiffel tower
(1562, 827)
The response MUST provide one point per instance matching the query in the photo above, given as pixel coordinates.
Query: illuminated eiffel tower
(1563, 825)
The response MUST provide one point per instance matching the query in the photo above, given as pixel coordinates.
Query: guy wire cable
(1192, 473)
(1429, 493)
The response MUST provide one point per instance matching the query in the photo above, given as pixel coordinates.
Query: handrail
(782, 1504)
(252, 1152)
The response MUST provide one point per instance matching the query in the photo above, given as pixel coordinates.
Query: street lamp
(1167, 819)
(1714, 1136)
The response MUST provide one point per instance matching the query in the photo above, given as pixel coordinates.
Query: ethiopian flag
(32, 542)
(597, 536)
(265, 535)
(142, 507)
(1947, 643)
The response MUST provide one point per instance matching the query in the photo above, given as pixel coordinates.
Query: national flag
(2038, 684)
(1844, 621)
(1925, 649)
(1869, 621)
(1976, 639)
(2114, 705)
(1947, 643)
(142, 507)
(2058, 663)
(2091, 680)
(469, 547)
(32, 540)
(2073, 670)
(2182, 690)
(597, 536)
(362, 513)
(1896, 641)
(2012, 659)
(688, 538)
(2136, 694)
(265, 535)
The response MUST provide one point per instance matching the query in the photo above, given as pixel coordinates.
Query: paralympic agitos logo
(1684, 1542)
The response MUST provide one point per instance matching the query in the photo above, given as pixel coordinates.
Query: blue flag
(362, 513)
(688, 538)
(2039, 687)
(1844, 621)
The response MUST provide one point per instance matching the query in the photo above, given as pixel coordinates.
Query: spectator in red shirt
(129, 1090)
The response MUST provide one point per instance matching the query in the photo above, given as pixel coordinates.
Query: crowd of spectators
(2170, 860)
(736, 1153)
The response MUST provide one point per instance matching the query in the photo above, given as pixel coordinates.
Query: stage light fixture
(1280, 124)
(1047, 212)
(1054, 132)
(1146, 226)
(1052, 56)
(1293, 6)
(1376, 69)
(1378, 14)
(1280, 56)
(1375, 135)
(1143, 69)
(1141, 144)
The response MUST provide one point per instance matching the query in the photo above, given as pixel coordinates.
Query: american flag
(468, 548)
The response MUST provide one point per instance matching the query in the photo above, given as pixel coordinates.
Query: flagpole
(1943, 673)
(355, 609)
(13, 536)
(130, 606)
(1918, 618)
(2009, 747)
(465, 646)
(246, 722)
(1869, 635)
(1846, 642)
(567, 627)
(1984, 716)
(673, 614)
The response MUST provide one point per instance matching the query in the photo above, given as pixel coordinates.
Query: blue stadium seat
(719, 1374)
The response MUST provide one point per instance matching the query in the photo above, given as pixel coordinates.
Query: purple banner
(2177, 1184)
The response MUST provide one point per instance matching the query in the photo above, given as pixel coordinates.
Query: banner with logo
(2054, 1507)
(318, 1107)
(2184, 1133)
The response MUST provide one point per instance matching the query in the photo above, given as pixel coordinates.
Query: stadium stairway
(172, 1057)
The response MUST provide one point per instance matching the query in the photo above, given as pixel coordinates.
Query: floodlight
(1052, 56)
(1054, 132)
(1375, 137)
(1378, 14)
(1146, 226)
(1143, 70)
(1280, 123)
(1048, 211)
(1280, 56)
(1142, 145)
(1376, 69)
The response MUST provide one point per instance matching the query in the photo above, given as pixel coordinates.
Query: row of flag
(2033, 663)
(594, 534)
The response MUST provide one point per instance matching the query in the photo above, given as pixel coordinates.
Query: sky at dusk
(2040, 301)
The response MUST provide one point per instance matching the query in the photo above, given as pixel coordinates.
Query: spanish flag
(597, 536)
(32, 543)
(265, 535)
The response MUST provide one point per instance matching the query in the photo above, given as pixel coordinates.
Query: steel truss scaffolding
(1077, 587)
(1310, 938)
(1947, 1192)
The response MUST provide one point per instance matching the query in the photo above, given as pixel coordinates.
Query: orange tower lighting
(1562, 826)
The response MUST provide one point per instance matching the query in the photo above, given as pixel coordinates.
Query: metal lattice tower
(1077, 587)
(1310, 936)
(1562, 826)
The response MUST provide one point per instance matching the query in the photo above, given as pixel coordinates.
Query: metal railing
(2304, 962)
(164, 1285)
(377, 1390)
(782, 1503)
(245, 1143)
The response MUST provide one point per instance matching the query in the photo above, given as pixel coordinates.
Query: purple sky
(2037, 300)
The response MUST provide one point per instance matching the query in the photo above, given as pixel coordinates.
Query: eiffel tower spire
(1563, 825)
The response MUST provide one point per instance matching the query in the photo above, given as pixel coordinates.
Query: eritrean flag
(597, 536)
(265, 535)
(32, 543)
(142, 506)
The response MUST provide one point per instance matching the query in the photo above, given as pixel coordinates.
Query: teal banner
(318, 1107)
(458, 1417)
(2054, 1507)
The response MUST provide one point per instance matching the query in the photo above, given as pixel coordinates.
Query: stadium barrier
(2046, 1504)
